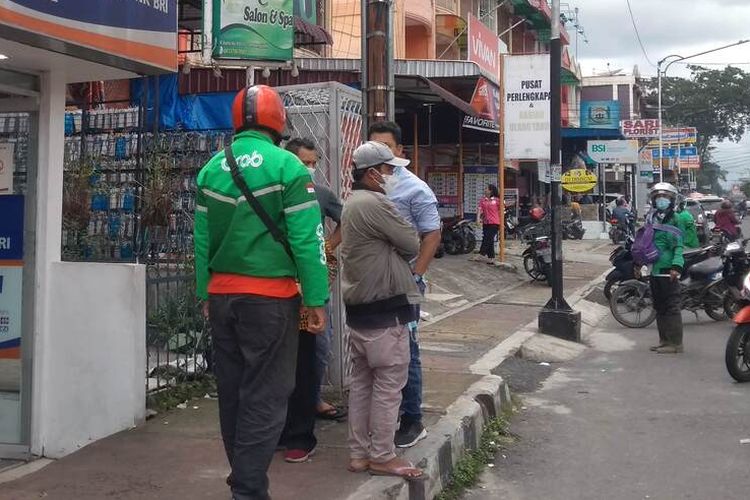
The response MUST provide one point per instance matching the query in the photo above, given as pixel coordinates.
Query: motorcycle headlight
(746, 288)
(732, 247)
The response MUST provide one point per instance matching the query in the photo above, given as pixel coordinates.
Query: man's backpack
(644, 249)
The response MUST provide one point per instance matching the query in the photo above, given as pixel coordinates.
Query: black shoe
(410, 434)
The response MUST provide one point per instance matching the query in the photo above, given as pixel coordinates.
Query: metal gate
(330, 115)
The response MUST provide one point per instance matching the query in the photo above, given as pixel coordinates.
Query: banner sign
(486, 102)
(6, 168)
(11, 228)
(688, 135)
(484, 49)
(690, 163)
(578, 180)
(685, 152)
(613, 151)
(144, 31)
(527, 107)
(633, 129)
(261, 30)
(11, 280)
(600, 114)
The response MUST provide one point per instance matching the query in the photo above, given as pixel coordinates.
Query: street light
(659, 72)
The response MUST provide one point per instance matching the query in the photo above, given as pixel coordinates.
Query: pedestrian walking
(488, 214)
(380, 296)
(665, 275)
(257, 229)
(298, 437)
(417, 203)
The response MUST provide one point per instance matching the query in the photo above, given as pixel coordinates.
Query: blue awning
(591, 133)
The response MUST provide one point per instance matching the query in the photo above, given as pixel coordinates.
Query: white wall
(94, 360)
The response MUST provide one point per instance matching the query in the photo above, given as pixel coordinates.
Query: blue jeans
(322, 351)
(411, 404)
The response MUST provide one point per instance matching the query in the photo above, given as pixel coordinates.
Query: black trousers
(299, 431)
(667, 302)
(489, 231)
(255, 354)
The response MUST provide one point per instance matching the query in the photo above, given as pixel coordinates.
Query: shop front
(71, 349)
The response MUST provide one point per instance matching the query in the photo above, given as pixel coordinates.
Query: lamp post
(557, 317)
(676, 58)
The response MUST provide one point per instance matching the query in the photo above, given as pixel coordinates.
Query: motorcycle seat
(705, 269)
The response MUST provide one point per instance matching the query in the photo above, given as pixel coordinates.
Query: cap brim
(398, 162)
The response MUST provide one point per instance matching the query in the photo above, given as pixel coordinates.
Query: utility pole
(557, 317)
(377, 62)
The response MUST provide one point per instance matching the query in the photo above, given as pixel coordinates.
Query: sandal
(333, 413)
(398, 467)
(358, 465)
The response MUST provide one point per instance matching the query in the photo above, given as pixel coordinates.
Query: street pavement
(621, 422)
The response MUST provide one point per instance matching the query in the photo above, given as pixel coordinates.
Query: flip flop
(402, 471)
(358, 465)
(335, 413)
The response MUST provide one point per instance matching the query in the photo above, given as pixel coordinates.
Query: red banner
(484, 49)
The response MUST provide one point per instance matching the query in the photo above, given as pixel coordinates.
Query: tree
(715, 101)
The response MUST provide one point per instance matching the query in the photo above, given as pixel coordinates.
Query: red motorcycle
(737, 355)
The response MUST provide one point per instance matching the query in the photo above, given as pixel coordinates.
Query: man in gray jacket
(380, 296)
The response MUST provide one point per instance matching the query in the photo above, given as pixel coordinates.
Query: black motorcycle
(622, 259)
(620, 231)
(458, 237)
(573, 229)
(702, 288)
(736, 267)
(537, 258)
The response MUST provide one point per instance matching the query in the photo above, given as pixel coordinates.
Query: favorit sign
(484, 47)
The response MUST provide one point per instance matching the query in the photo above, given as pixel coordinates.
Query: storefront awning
(425, 91)
(310, 34)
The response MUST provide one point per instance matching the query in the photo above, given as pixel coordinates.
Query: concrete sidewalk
(178, 455)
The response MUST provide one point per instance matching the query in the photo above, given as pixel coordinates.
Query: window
(487, 13)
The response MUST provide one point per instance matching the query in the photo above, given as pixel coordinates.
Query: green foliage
(495, 437)
(177, 324)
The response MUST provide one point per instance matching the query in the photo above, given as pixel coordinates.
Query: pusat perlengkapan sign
(253, 30)
(527, 107)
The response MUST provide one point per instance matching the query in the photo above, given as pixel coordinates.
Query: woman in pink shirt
(488, 214)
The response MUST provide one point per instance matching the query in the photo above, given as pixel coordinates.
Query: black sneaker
(410, 434)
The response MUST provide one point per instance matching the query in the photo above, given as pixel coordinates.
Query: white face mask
(389, 183)
(312, 172)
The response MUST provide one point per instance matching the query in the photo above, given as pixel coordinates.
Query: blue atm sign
(11, 227)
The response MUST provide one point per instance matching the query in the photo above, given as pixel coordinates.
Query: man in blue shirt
(417, 203)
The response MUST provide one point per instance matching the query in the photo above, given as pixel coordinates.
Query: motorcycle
(458, 237)
(701, 288)
(621, 231)
(511, 223)
(736, 267)
(737, 352)
(573, 229)
(537, 258)
(622, 259)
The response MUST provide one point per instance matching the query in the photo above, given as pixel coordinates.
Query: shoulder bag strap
(239, 181)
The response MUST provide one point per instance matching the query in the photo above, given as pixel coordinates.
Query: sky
(666, 27)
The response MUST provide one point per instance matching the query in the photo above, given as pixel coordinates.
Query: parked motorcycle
(737, 353)
(537, 258)
(458, 237)
(511, 223)
(573, 229)
(622, 259)
(701, 288)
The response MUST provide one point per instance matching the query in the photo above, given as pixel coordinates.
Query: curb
(460, 429)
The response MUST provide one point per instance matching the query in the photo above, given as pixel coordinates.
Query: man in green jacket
(665, 275)
(250, 282)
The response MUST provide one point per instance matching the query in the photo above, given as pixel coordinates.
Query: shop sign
(691, 162)
(686, 135)
(543, 172)
(613, 151)
(253, 31)
(633, 129)
(682, 152)
(143, 31)
(6, 168)
(11, 228)
(484, 49)
(11, 280)
(600, 114)
(578, 180)
(527, 107)
(486, 102)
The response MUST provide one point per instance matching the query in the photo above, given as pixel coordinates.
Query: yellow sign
(578, 180)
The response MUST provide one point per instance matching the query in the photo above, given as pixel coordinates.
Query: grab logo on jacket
(254, 160)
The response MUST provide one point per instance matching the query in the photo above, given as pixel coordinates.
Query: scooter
(736, 267)
(458, 237)
(537, 258)
(573, 229)
(622, 259)
(737, 352)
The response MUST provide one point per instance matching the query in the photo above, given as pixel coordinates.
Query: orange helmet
(259, 106)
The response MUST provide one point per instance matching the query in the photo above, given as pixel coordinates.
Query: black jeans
(255, 351)
(489, 231)
(667, 302)
(299, 431)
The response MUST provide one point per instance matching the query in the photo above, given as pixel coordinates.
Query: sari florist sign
(253, 30)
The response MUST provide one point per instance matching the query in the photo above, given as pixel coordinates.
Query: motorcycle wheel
(632, 305)
(452, 245)
(470, 241)
(608, 288)
(532, 269)
(737, 355)
(713, 303)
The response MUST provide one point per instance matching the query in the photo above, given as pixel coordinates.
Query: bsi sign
(613, 151)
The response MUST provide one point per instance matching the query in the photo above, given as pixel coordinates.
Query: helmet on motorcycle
(663, 189)
(259, 107)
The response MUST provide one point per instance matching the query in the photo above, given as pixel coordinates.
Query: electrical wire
(638, 35)
(711, 63)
